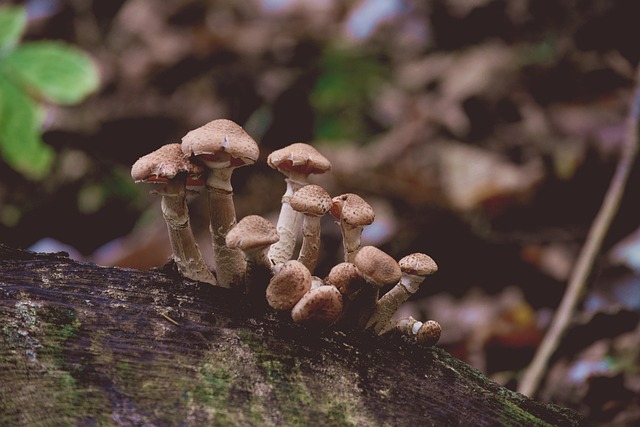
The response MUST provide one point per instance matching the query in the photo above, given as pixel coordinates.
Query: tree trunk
(88, 345)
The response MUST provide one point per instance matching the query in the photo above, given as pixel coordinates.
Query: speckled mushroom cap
(352, 210)
(299, 158)
(218, 138)
(346, 277)
(418, 264)
(311, 200)
(377, 267)
(290, 282)
(322, 305)
(163, 164)
(252, 232)
(429, 333)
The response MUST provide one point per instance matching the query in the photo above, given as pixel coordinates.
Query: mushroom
(253, 235)
(313, 202)
(321, 306)
(221, 146)
(168, 165)
(427, 333)
(415, 268)
(354, 214)
(379, 270)
(296, 161)
(346, 277)
(291, 280)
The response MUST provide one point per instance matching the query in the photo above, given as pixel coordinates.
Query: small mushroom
(415, 268)
(346, 277)
(291, 280)
(379, 270)
(313, 202)
(321, 306)
(222, 146)
(427, 333)
(354, 214)
(296, 161)
(168, 165)
(253, 235)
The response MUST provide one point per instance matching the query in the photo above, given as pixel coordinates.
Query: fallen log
(82, 344)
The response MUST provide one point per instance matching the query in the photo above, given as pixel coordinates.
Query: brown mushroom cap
(291, 281)
(346, 277)
(164, 164)
(377, 267)
(352, 210)
(311, 200)
(220, 141)
(300, 158)
(252, 232)
(429, 333)
(322, 305)
(418, 264)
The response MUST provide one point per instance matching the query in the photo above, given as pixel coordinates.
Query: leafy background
(483, 132)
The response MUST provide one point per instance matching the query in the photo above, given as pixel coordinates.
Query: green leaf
(12, 23)
(20, 142)
(53, 70)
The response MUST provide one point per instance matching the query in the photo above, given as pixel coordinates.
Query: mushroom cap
(429, 333)
(252, 232)
(352, 210)
(311, 200)
(418, 264)
(322, 305)
(221, 140)
(346, 277)
(299, 158)
(164, 164)
(377, 267)
(291, 281)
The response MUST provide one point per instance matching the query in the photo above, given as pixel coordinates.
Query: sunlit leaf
(54, 71)
(20, 142)
(12, 23)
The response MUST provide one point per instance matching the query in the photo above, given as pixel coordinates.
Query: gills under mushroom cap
(299, 158)
(223, 142)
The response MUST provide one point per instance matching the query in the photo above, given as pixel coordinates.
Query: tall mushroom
(253, 235)
(222, 146)
(313, 202)
(379, 270)
(168, 165)
(415, 268)
(296, 161)
(354, 214)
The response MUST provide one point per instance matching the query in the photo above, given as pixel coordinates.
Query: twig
(166, 316)
(577, 282)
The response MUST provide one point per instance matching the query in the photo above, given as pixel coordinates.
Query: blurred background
(483, 133)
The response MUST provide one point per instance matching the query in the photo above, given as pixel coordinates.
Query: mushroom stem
(310, 242)
(185, 250)
(288, 225)
(390, 302)
(351, 240)
(230, 263)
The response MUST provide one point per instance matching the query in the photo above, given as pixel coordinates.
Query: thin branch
(577, 282)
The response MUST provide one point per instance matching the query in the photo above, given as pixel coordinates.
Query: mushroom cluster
(256, 257)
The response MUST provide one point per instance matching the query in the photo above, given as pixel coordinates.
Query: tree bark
(82, 344)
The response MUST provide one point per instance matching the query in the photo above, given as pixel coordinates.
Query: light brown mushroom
(253, 235)
(296, 161)
(379, 270)
(168, 165)
(346, 277)
(415, 267)
(313, 202)
(426, 333)
(291, 280)
(222, 146)
(354, 214)
(321, 306)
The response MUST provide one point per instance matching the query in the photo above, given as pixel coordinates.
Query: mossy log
(88, 345)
